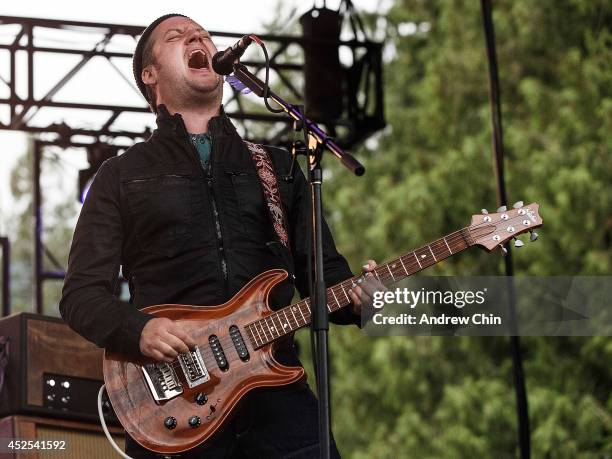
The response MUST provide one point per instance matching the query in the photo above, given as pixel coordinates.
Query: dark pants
(271, 423)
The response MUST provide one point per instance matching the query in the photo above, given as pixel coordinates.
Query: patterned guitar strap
(269, 183)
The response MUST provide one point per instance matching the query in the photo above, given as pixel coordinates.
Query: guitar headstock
(494, 230)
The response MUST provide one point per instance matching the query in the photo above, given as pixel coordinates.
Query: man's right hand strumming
(163, 339)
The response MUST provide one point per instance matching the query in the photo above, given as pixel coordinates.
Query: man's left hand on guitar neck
(361, 295)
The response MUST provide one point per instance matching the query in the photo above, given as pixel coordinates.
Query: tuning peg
(504, 250)
(484, 211)
(501, 209)
(518, 243)
(518, 204)
(533, 236)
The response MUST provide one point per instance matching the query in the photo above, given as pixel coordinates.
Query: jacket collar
(173, 125)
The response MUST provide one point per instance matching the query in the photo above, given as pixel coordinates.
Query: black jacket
(182, 234)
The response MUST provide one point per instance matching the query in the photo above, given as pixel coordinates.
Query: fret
(272, 328)
(258, 335)
(403, 266)
(335, 297)
(344, 291)
(390, 272)
(287, 323)
(422, 255)
(264, 331)
(294, 318)
(249, 329)
(283, 325)
(302, 314)
(447, 246)
(432, 254)
(417, 259)
(308, 306)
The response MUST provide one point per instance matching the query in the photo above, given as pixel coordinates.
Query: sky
(242, 16)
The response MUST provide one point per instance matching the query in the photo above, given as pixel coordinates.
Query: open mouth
(198, 60)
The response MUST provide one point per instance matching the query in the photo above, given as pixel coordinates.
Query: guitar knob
(170, 422)
(518, 204)
(518, 243)
(194, 421)
(484, 211)
(504, 250)
(201, 398)
(501, 209)
(533, 237)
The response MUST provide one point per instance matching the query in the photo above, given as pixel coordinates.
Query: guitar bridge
(162, 381)
(194, 368)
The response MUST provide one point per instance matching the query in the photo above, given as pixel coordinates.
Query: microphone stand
(316, 140)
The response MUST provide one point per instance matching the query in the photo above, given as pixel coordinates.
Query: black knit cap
(140, 46)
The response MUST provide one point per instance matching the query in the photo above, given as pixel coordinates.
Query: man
(184, 215)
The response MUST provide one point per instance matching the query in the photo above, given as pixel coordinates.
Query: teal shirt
(203, 144)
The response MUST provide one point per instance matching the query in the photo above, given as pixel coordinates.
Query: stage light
(323, 74)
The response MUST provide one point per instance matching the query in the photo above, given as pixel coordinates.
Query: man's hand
(163, 339)
(361, 295)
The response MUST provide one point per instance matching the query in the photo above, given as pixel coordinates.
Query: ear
(149, 75)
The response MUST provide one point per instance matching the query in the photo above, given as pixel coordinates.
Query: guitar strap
(269, 183)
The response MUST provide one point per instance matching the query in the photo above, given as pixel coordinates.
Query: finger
(354, 298)
(364, 297)
(369, 266)
(371, 286)
(157, 356)
(176, 343)
(167, 350)
(178, 331)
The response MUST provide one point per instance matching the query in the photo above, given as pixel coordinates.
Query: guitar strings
(451, 238)
(227, 343)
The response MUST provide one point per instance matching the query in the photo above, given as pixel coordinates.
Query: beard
(181, 90)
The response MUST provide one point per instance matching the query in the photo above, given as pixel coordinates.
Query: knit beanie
(140, 47)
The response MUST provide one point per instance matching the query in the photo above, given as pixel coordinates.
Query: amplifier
(49, 369)
(77, 440)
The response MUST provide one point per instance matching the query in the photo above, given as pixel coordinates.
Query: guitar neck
(298, 315)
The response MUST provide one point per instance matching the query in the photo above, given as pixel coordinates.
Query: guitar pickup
(239, 344)
(218, 352)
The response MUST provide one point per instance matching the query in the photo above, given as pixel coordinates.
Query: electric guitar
(173, 407)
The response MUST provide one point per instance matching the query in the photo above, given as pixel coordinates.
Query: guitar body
(149, 421)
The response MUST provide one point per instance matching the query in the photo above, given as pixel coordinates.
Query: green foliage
(431, 169)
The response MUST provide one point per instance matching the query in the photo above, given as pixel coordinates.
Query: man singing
(184, 216)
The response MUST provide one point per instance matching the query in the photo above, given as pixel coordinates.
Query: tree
(427, 173)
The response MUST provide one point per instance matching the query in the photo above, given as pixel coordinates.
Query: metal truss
(29, 40)
(362, 111)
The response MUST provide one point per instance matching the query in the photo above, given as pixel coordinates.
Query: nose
(196, 35)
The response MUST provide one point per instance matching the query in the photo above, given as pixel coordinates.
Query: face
(183, 72)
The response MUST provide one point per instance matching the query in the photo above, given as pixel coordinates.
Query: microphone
(223, 61)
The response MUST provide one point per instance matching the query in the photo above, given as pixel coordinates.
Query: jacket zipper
(217, 223)
(215, 210)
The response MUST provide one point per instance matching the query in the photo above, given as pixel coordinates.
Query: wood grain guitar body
(212, 380)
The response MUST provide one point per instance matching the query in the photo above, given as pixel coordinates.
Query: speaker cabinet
(50, 371)
(82, 440)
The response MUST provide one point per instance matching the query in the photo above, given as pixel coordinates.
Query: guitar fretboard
(298, 315)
